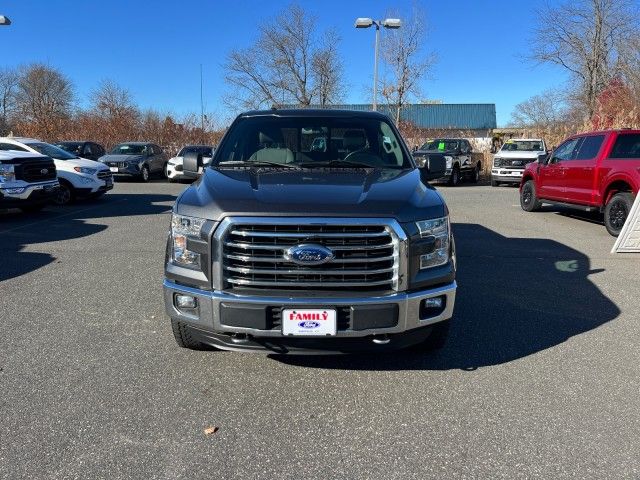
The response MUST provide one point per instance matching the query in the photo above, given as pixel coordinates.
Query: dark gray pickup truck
(287, 244)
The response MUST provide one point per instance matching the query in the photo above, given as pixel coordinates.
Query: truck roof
(312, 112)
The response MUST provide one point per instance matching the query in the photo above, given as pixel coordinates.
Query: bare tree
(326, 71)
(406, 63)
(44, 98)
(114, 113)
(8, 87)
(540, 112)
(585, 37)
(287, 64)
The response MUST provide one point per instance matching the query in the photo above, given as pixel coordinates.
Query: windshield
(313, 141)
(204, 150)
(522, 146)
(71, 147)
(440, 144)
(51, 151)
(129, 149)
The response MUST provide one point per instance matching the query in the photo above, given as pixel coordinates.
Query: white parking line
(58, 216)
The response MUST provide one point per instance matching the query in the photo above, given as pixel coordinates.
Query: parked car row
(34, 173)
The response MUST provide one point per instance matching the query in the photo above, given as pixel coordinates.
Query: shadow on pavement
(516, 297)
(18, 230)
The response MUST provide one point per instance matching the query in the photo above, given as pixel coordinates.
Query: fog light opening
(240, 338)
(432, 307)
(186, 301)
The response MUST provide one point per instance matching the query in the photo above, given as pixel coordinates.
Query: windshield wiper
(347, 163)
(261, 163)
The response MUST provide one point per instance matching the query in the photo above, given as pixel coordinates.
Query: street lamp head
(363, 22)
(392, 23)
(4, 20)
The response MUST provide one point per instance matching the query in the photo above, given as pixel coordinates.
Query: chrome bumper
(207, 314)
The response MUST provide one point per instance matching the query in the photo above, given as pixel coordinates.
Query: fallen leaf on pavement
(210, 430)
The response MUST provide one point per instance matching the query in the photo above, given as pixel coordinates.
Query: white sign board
(629, 239)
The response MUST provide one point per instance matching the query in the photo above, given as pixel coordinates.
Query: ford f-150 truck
(590, 171)
(462, 162)
(287, 244)
(27, 180)
(515, 154)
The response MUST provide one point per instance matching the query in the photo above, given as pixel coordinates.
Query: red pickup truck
(589, 171)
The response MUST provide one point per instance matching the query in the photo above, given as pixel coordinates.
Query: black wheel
(437, 338)
(454, 179)
(476, 174)
(65, 195)
(495, 183)
(617, 211)
(144, 174)
(184, 339)
(528, 198)
(32, 208)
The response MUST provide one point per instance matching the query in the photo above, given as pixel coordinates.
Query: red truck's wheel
(616, 212)
(528, 198)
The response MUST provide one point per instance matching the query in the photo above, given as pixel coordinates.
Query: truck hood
(517, 154)
(67, 165)
(418, 153)
(336, 192)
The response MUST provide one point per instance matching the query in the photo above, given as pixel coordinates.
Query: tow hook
(381, 339)
(238, 338)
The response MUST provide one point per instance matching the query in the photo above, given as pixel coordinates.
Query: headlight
(437, 228)
(449, 161)
(7, 173)
(497, 161)
(85, 170)
(182, 229)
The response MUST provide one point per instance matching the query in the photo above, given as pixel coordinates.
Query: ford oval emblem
(308, 324)
(44, 171)
(309, 254)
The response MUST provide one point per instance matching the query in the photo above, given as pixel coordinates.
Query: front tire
(617, 211)
(66, 194)
(495, 183)
(528, 198)
(438, 337)
(145, 174)
(476, 174)
(454, 179)
(184, 339)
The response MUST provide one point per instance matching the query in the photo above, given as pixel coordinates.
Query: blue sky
(155, 48)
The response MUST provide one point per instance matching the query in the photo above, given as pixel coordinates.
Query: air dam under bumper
(206, 320)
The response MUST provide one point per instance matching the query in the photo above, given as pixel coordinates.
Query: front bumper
(208, 325)
(507, 175)
(32, 194)
(173, 173)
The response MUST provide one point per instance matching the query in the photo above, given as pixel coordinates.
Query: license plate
(113, 169)
(309, 321)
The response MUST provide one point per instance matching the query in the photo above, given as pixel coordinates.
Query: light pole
(387, 23)
(4, 20)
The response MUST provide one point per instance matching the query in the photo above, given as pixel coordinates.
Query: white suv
(175, 164)
(78, 177)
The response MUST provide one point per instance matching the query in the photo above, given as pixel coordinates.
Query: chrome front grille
(366, 254)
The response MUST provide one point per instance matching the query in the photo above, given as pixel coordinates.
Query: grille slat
(366, 256)
(259, 246)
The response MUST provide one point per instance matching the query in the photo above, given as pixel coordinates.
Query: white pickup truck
(515, 154)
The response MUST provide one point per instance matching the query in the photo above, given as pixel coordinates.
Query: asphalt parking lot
(540, 378)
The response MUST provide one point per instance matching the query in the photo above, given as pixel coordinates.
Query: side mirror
(435, 166)
(192, 164)
(543, 158)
